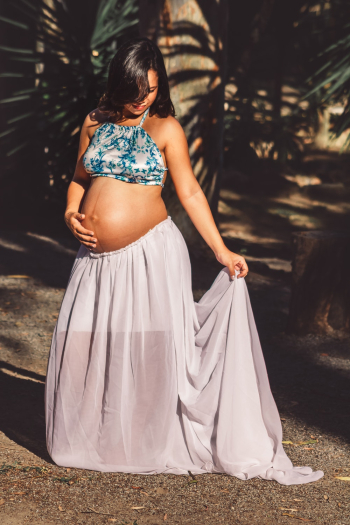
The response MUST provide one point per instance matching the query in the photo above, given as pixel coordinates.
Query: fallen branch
(91, 510)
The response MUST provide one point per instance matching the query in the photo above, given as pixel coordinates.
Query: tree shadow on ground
(22, 417)
(46, 259)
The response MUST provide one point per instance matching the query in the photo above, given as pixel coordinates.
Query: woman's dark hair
(128, 79)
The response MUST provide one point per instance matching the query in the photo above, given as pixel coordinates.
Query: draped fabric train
(142, 379)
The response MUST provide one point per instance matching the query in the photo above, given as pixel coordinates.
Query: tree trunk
(320, 301)
(192, 35)
(258, 28)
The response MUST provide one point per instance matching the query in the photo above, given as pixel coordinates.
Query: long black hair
(128, 79)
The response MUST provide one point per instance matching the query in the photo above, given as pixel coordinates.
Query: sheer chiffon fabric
(142, 379)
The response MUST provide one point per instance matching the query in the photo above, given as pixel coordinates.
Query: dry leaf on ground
(90, 509)
(295, 517)
(161, 490)
(307, 442)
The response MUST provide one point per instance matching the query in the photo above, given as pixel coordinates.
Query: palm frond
(67, 64)
(331, 80)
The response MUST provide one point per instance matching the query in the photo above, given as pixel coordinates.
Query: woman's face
(140, 107)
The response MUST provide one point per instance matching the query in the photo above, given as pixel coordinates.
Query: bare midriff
(120, 212)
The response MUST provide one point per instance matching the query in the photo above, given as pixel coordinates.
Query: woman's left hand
(234, 262)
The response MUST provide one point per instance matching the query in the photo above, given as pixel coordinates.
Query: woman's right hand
(86, 237)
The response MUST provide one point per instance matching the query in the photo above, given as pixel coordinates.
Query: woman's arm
(193, 199)
(76, 191)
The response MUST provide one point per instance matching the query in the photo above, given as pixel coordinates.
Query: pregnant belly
(119, 212)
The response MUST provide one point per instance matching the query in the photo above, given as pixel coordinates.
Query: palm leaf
(331, 80)
(65, 81)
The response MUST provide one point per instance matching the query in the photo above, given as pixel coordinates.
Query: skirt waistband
(128, 246)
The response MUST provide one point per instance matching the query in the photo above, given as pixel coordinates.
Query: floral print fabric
(126, 153)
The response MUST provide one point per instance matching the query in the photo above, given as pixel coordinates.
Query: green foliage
(274, 111)
(331, 80)
(72, 44)
(251, 122)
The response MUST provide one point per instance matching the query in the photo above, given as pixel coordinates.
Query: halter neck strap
(144, 117)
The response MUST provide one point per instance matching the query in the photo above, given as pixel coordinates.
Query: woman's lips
(138, 107)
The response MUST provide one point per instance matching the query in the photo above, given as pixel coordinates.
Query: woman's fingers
(82, 231)
(84, 235)
(86, 239)
(89, 246)
(234, 262)
(79, 228)
(243, 269)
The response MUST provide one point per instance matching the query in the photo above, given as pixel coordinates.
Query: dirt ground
(309, 376)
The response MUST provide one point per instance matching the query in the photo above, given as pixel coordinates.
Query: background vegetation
(286, 75)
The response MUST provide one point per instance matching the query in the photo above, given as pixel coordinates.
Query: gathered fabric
(126, 153)
(143, 379)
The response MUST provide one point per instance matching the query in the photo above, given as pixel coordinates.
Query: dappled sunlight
(13, 371)
(274, 263)
(300, 220)
(4, 243)
(31, 255)
(260, 209)
(57, 245)
(228, 231)
(303, 180)
(297, 200)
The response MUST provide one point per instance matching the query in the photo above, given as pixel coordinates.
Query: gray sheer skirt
(143, 379)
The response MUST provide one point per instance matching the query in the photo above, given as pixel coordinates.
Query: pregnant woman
(141, 378)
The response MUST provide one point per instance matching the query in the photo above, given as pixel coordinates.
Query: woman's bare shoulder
(171, 127)
(95, 119)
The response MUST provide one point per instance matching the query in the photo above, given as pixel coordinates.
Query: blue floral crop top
(126, 153)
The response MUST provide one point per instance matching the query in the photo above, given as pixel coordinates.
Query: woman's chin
(136, 110)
